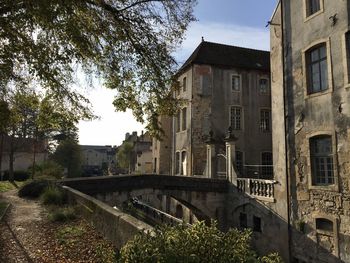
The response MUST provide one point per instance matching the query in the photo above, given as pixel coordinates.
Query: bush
(62, 214)
(52, 195)
(198, 243)
(33, 189)
(18, 176)
(51, 169)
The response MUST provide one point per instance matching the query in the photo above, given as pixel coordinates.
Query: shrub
(51, 169)
(62, 214)
(198, 243)
(52, 195)
(33, 189)
(18, 176)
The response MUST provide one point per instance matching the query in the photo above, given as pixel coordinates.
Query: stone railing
(257, 188)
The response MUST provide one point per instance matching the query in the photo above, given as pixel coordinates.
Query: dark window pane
(256, 224)
(324, 224)
(321, 160)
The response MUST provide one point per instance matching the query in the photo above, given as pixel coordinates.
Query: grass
(52, 195)
(7, 186)
(69, 235)
(62, 214)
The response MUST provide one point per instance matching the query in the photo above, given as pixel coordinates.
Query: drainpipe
(284, 61)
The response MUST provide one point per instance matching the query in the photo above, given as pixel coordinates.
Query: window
(178, 118)
(243, 220)
(239, 162)
(184, 121)
(256, 224)
(177, 162)
(183, 163)
(236, 83)
(265, 120)
(347, 45)
(317, 73)
(324, 224)
(235, 118)
(266, 163)
(312, 6)
(321, 158)
(264, 86)
(184, 83)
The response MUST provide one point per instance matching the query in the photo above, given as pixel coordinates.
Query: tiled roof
(228, 56)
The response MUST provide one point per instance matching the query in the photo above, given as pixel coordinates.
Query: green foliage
(68, 155)
(198, 243)
(7, 186)
(49, 169)
(69, 234)
(33, 189)
(52, 195)
(62, 214)
(105, 254)
(129, 44)
(124, 155)
(17, 175)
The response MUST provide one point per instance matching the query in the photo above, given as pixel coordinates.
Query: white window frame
(234, 128)
(233, 89)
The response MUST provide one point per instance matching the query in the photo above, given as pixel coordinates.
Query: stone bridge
(204, 197)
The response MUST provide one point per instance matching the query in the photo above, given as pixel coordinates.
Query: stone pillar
(231, 157)
(211, 153)
(230, 160)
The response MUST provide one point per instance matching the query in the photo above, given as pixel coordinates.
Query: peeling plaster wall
(320, 113)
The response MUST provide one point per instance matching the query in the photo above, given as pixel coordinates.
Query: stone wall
(321, 113)
(115, 225)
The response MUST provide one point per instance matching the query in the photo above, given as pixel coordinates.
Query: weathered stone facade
(206, 87)
(161, 149)
(314, 96)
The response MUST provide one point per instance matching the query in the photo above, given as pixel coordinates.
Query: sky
(233, 22)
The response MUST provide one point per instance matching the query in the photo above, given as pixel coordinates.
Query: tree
(68, 155)
(128, 43)
(33, 117)
(197, 243)
(4, 122)
(124, 155)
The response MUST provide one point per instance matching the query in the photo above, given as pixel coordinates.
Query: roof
(210, 53)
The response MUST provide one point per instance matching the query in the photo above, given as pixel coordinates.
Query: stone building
(98, 159)
(161, 149)
(223, 86)
(310, 51)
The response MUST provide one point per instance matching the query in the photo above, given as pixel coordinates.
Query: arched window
(321, 158)
(317, 69)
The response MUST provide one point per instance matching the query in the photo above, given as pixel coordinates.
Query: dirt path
(19, 228)
(27, 236)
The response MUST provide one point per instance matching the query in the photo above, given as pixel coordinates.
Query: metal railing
(155, 215)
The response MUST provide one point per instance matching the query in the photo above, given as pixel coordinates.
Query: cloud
(230, 34)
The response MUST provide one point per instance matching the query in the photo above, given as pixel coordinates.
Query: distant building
(98, 159)
(24, 151)
(141, 153)
(224, 86)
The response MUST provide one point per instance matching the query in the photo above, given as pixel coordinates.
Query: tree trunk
(1, 150)
(34, 160)
(11, 157)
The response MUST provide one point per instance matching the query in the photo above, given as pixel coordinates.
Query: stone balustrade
(258, 188)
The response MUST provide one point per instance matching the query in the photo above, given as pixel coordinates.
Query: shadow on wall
(271, 232)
